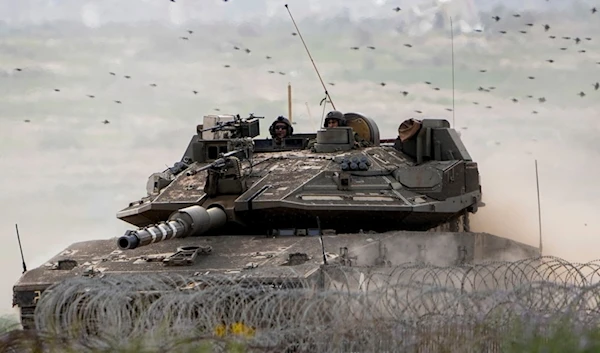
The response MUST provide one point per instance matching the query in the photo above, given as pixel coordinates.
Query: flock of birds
(497, 19)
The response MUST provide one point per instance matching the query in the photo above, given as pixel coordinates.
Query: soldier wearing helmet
(334, 119)
(280, 129)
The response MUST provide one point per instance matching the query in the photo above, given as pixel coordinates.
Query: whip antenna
(310, 56)
(452, 40)
(21, 248)
(321, 240)
(537, 183)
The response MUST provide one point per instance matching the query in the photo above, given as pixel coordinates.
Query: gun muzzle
(193, 220)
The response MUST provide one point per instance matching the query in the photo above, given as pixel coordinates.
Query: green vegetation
(520, 336)
(8, 323)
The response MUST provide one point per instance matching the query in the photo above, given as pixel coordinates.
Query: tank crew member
(334, 119)
(280, 129)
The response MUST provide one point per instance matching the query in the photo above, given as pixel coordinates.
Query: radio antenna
(324, 102)
(310, 56)
(537, 183)
(453, 102)
(21, 248)
(321, 240)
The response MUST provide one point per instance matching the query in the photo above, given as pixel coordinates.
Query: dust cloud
(64, 174)
(569, 203)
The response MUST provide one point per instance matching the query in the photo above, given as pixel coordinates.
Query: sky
(95, 13)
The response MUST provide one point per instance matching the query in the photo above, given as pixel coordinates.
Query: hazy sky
(96, 12)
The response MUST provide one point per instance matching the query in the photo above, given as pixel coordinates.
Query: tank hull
(262, 257)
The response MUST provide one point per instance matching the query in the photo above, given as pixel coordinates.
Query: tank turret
(425, 180)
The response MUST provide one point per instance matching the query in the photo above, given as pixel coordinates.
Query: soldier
(280, 129)
(334, 119)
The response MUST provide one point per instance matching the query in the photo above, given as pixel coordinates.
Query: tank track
(457, 224)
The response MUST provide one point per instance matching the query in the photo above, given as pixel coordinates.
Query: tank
(237, 204)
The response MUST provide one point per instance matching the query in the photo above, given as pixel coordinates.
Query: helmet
(281, 119)
(336, 115)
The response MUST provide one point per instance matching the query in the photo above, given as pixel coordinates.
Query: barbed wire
(401, 308)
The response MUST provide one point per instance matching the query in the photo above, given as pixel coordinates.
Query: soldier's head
(281, 128)
(334, 119)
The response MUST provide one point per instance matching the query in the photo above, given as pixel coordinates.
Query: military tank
(236, 203)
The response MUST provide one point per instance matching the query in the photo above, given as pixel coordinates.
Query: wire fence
(492, 307)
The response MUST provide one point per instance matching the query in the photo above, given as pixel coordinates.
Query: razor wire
(412, 307)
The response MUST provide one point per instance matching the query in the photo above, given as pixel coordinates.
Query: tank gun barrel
(192, 220)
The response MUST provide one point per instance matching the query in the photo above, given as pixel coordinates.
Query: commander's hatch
(211, 121)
